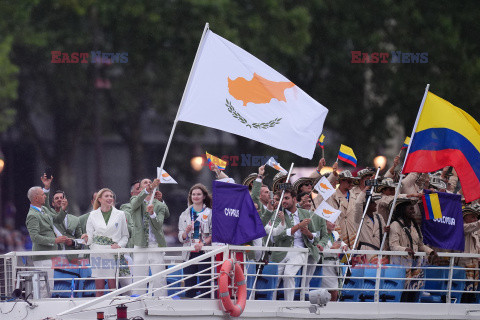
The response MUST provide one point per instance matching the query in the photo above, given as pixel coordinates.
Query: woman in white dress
(106, 229)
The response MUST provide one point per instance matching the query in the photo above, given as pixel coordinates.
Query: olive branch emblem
(261, 125)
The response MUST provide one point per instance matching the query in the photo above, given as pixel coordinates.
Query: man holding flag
(299, 233)
(148, 233)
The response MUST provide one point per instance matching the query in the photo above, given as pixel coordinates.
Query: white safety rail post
(450, 279)
(14, 268)
(304, 283)
(8, 273)
(378, 278)
(212, 276)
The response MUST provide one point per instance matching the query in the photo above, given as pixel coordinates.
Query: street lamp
(197, 163)
(380, 161)
(2, 161)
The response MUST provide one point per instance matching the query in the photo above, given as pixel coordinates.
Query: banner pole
(187, 87)
(357, 236)
(270, 234)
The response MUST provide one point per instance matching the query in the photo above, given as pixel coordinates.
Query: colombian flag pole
(406, 143)
(397, 190)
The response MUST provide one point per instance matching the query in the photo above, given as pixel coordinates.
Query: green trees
(309, 42)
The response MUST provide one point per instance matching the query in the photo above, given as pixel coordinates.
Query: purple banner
(234, 217)
(446, 232)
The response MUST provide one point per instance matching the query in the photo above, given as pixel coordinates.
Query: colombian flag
(431, 206)
(406, 143)
(320, 141)
(447, 136)
(221, 164)
(346, 155)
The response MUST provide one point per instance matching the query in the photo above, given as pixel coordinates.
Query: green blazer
(40, 228)
(138, 207)
(127, 209)
(265, 215)
(73, 229)
(82, 221)
(283, 240)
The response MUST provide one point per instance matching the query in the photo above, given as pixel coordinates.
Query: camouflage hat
(471, 210)
(365, 172)
(386, 183)
(249, 179)
(437, 182)
(344, 175)
(401, 201)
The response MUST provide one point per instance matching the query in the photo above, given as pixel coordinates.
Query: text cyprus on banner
(234, 217)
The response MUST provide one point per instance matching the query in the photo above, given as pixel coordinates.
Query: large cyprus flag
(231, 90)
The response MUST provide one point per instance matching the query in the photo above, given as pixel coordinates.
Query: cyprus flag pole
(187, 87)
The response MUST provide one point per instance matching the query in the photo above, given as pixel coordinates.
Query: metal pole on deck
(270, 235)
(187, 87)
(369, 198)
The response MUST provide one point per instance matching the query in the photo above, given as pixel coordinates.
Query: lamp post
(380, 161)
(196, 163)
(2, 166)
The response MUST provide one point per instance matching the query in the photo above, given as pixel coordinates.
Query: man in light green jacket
(148, 233)
(300, 229)
(39, 223)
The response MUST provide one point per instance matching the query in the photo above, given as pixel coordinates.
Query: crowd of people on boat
(138, 224)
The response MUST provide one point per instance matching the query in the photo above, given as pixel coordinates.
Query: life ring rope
(235, 310)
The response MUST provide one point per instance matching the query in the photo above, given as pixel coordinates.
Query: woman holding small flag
(195, 228)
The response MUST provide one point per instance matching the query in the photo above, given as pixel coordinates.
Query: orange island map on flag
(258, 89)
(231, 90)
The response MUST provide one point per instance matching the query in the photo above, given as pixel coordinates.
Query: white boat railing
(447, 287)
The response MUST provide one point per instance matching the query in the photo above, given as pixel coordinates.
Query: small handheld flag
(324, 188)
(165, 177)
(203, 218)
(274, 164)
(327, 212)
(221, 164)
(406, 143)
(346, 155)
(320, 141)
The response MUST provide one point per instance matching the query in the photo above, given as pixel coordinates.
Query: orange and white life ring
(235, 310)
